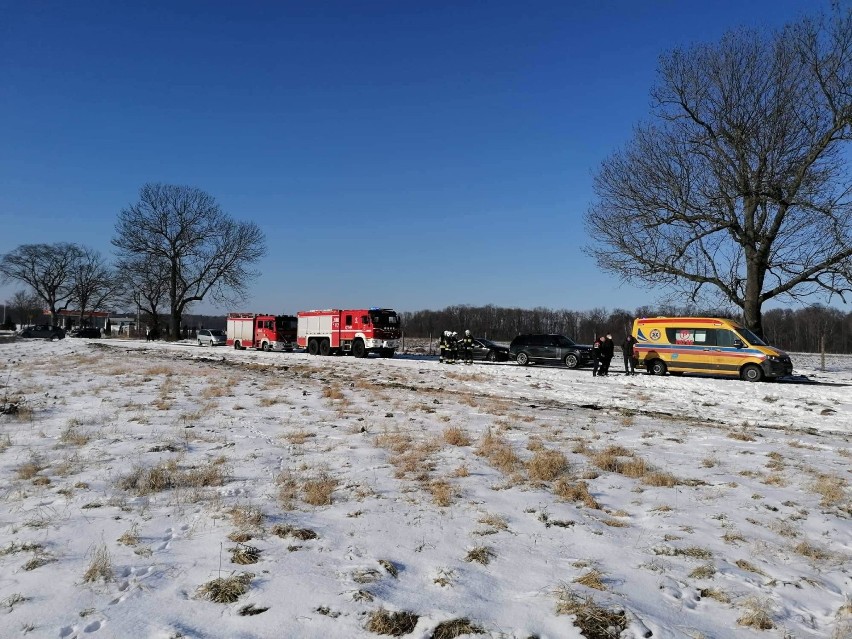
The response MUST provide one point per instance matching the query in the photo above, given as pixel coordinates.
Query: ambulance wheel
(657, 367)
(313, 347)
(523, 359)
(358, 348)
(751, 373)
(325, 348)
(266, 348)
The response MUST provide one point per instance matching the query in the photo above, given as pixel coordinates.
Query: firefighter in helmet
(443, 346)
(467, 347)
(453, 347)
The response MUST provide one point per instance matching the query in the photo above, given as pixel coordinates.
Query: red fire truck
(266, 332)
(360, 331)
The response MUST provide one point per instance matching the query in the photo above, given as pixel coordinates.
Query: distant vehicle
(708, 345)
(264, 332)
(211, 337)
(85, 331)
(527, 349)
(486, 350)
(359, 331)
(43, 331)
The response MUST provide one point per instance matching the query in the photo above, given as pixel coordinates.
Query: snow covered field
(335, 497)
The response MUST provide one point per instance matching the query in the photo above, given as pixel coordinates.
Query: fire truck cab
(264, 332)
(355, 331)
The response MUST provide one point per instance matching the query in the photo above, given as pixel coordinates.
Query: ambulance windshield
(751, 338)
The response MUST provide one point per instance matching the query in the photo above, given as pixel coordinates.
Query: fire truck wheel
(313, 347)
(325, 348)
(358, 349)
(237, 346)
(265, 347)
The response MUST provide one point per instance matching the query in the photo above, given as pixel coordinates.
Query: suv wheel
(571, 360)
(523, 359)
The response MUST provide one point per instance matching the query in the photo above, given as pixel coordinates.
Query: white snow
(744, 525)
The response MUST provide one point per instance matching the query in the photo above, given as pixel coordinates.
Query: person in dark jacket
(596, 356)
(443, 345)
(607, 353)
(629, 357)
(467, 347)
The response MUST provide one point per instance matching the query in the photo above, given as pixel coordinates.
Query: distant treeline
(799, 330)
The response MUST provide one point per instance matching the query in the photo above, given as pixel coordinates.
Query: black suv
(549, 349)
(43, 330)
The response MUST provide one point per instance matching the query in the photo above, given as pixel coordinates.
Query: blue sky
(404, 154)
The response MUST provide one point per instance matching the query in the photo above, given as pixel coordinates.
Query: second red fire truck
(359, 331)
(264, 332)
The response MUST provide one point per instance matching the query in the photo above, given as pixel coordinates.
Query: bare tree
(205, 251)
(25, 306)
(146, 286)
(741, 186)
(47, 268)
(93, 283)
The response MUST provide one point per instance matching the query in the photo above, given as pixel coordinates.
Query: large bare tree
(48, 269)
(205, 251)
(740, 186)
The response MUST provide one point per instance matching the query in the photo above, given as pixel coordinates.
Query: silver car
(211, 337)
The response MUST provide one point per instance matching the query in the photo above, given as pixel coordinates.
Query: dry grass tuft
(397, 624)
(742, 564)
(757, 613)
(547, 465)
(168, 475)
(456, 436)
(243, 554)
(703, 572)
(456, 628)
(499, 453)
(594, 621)
(246, 517)
(317, 492)
(741, 435)
(461, 471)
(304, 534)
(288, 489)
(591, 579)
(714, 593)
(389, 567)
(299, 437)
(333, 392)
(576, 491)
(495, 521)
(831, 488)
(73, 437)
(130, 536)
(31, 468)
(226, 589)
(100, 567)
(442, 492)
(812, 552)
(480, 554)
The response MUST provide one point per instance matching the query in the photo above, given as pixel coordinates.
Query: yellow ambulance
(707, 345)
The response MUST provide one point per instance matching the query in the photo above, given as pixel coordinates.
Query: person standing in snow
(453, 347)
(607, 353)
(443, 345)
(596, 356)
(627, 352)
(467, 347)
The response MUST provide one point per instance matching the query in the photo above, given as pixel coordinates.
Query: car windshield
(751, 338)
(217, 332)
(564, 341)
